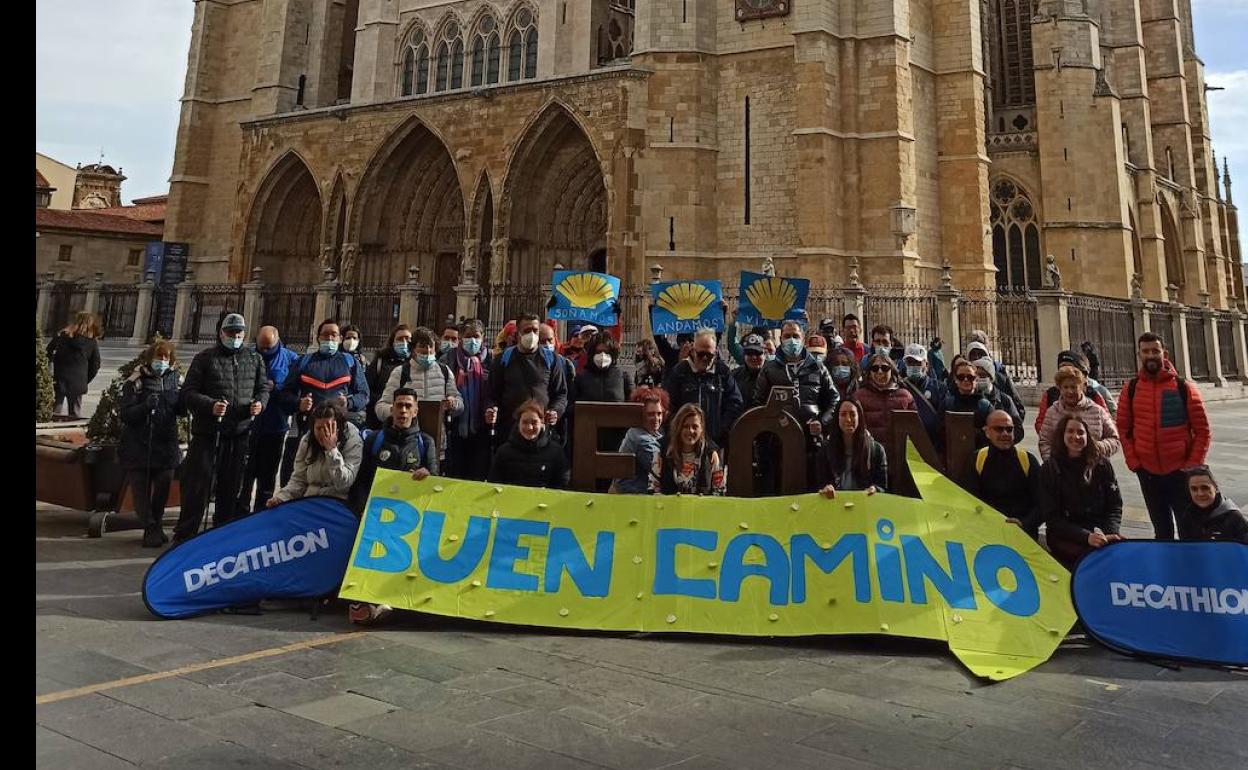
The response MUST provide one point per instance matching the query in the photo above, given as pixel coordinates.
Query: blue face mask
(819, 357)
(160, 366)
(425, 361)
(232, 343)
(882, 350)
(840, 372)
(769, 357)
(914, 372)
(472, 345)
(329, 347)
(792, 346)
(400, 349)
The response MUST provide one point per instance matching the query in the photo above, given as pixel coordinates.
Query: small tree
(105, 425)
(43, 381)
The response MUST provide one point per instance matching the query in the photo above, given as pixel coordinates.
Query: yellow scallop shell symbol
(772, 297)
(585, 289)
(685, 300)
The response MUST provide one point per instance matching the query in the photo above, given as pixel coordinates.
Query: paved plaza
(286, 690)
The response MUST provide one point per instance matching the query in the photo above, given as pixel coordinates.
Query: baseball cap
(234, 323)
(753, 343)
(916, 351)
(827, 324)
(816, 344)
(587, 328)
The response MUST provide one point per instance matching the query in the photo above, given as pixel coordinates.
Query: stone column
(326, 292)
(253, 302)
(1054, 328)
(409, 297)
(43, 307)
(856, 297)
(1239, 330)
(1180, 353)
(182, 308)
(1209, 325)
(948, 323)
(94, 288)
(143, 309)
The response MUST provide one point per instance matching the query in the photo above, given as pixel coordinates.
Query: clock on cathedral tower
(761, 9)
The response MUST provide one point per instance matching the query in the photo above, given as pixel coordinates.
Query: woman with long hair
(75, 357)
(397, 351)
(648, 369)
(328, 458)
(643, 443)
(850, 459)
(688, 462)
(149, 449)
(1079, 497)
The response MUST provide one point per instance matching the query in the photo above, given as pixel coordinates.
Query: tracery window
(1015, 236)
(486, 52)
(522, 46)
(414, 76)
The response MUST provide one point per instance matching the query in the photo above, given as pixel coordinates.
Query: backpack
(1178, 381)
(379, 435)
(981, 457)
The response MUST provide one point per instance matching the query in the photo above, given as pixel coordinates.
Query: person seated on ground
(399, 445)
(648, 369)
(643, 443)
(975, 392)
(1080, 502)
(880, 393)
(149, 449)
(1211, 516)
(850, 459)
(1005, 476)
(1073, 400)
(328, 459)
(1094, 390)
(688, 462)
(842, 364)
(532, 456)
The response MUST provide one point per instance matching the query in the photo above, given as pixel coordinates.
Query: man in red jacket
(1164, 430)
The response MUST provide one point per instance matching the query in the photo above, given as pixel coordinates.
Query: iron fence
(119, 303)
(1107, 323)
(291, 308)
(910, 311)
(1197, 350)
(209, 304)
(66, 299)
(374, 310)
(1159, 323)
(1226, 346)
(1008, 317)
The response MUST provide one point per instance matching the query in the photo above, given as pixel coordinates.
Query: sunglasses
(704, 355)
(1001, 428)
(881, 368)
(965, 378)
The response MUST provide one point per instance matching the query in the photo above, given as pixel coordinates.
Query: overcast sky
(109, 74)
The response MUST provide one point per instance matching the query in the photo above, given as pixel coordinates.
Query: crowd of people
(271, 425)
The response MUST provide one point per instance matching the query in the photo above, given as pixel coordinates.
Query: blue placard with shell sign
(768, 301)
(683, 307)
(584, 296)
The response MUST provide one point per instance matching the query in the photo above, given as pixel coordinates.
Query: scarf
(470, 381)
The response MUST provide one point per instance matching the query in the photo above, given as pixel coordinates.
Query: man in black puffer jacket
(704, 379)
(225, 387)
(794, 367)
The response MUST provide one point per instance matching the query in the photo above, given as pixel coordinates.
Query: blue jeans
(1166, 497)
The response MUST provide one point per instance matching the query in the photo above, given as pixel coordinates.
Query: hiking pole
(212, 476)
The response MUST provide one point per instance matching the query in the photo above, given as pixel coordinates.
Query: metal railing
(66, 299)
(209, 304)
(910, 311)
(1160, 323)
(1197, 350)
(291, 308)
(1008, 317)
(372, 309)
(1226, 346)
(118, 305)
(1107, 323)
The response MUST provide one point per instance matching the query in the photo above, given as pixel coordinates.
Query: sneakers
(365, 614)
(154, 538)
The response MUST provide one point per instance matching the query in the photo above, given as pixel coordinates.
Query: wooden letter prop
(959, 443)
(588, 464)
(769, 418)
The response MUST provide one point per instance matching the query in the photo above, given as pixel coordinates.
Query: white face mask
(350, 344)
(528, 340)
(602, 360)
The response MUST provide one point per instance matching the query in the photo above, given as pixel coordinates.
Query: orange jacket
(1158, 435)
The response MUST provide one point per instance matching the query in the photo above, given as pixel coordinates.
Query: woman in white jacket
(328, 459)
(1073, 401)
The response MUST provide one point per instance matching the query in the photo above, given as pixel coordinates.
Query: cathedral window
(522, 46)
(449, 67)
(1015, 236)
(414, 69)
(486, 52)
(1013, 83)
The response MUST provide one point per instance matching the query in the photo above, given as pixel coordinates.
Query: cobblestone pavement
(284, 690)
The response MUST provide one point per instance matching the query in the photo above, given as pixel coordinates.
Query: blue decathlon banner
(584, 296)
(295, 550)
(1186, 600)
(685, 306)
(769, 300)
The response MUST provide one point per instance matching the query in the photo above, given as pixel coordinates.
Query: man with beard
(1164, 430)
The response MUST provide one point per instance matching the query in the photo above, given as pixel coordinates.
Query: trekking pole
(212, 477)
(151, 432)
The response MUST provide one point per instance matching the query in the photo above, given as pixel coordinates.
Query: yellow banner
(945, 567)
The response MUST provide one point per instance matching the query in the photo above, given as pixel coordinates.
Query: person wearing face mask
(224, 390)
(648, 369)
(327, 373)
(269, 434)
(396, 352)
(1164, 429)
(703, 379)
(424, 374)
(882, 344)
(1210, 516)
(973, 392)
(643, 443)
(796, 367)
(468, 446)
(977, 350)
(351, 343)
(531, 456)
(880, 393)
(450, 339)
(928, 393)
(842, 364)
(1079, 496)
(602, 380)
(522, 373)
(149, 436)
